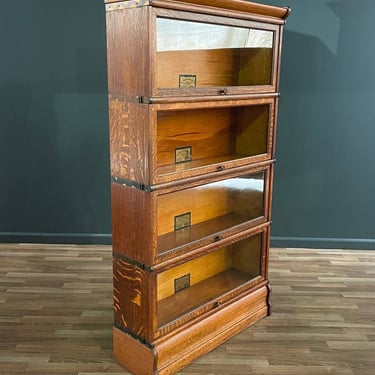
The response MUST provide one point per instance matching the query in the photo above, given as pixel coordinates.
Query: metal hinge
(133, 184)
(143, 99)
(126, 5)
(132, 262)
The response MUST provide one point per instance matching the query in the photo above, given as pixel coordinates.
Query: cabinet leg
(269, 302)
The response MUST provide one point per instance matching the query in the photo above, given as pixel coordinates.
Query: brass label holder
(187, 80)
(183, 154)
(182, 221)
(182, 282)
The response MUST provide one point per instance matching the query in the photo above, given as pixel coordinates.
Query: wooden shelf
(184, 301)
(174, 240)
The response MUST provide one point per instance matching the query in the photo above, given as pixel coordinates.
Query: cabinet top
(234, 5)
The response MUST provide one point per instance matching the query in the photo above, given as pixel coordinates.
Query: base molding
(177, 350)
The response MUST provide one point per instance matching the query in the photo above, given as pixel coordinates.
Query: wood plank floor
(56, 315)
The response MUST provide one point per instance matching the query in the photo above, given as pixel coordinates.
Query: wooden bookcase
(193, 97)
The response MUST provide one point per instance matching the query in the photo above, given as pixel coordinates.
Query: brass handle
(220, 168)
(224, 91)
(218, 238)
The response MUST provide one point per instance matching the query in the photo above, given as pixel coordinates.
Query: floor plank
(56, 315)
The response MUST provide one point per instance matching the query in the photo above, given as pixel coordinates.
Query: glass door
(193, 55)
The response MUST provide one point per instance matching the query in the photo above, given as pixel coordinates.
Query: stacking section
(193, 98)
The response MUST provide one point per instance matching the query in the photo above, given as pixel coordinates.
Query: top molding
(233, 5)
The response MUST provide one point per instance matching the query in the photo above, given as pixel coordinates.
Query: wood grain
(56, 315)
(128, 52)
(129, 151)
(134, 299)
(138, 217)
(207, 131)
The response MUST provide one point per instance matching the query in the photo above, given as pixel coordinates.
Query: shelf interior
(189, 299)
(213, 54)
(209, 277)
(209, 209)
(196, 138)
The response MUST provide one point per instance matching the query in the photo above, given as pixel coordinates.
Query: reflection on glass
(212, 55)
(175, 35)
(211, 209)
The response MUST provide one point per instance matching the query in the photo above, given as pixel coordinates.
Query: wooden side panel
(131, 354)
(268, 213)
(129, 141)
(274, 127)
(133, 223)
(134, 299)
(128, 52)
(129, 67)
(279, 44)
(268, 192)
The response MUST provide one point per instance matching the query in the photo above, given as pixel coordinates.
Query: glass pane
(191, 285)
(202, 212)
(188, 139)
(193, 54)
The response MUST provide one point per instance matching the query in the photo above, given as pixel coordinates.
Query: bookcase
(193, 98)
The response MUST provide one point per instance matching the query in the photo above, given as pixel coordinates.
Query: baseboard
(56, 238)
(106, 239)
(324, 243)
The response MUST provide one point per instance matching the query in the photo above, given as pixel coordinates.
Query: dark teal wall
(325, 180)
(54, 163)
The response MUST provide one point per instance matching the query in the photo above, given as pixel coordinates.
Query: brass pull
(220, 168)
(218, 238)
(217, 304)
(224, 91)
